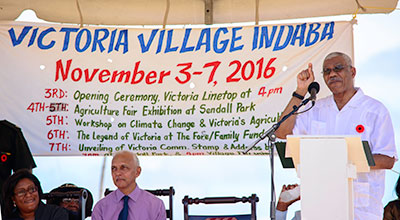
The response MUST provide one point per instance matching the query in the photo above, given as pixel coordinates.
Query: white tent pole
(166, 14)
(257, 16)
(101, 188)
(80, 13)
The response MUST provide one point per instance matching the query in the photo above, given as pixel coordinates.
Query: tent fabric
(152, 12)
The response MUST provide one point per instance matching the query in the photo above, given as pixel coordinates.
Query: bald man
(141, 205)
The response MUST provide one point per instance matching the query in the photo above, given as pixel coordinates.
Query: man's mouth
(334, 80)
(119, 179)
(73, 208)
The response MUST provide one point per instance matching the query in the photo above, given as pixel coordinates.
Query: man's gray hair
(340, 54)
(134, 156)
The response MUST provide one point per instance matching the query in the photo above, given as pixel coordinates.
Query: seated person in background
(71, 204)
(285, 200)
(392, 209)
(22, 196)
(128, 201)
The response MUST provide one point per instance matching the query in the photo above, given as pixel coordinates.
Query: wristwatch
(297, 96)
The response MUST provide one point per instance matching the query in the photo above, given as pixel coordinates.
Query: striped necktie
(123, 215)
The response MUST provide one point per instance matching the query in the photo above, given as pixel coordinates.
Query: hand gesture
(283, 204)
(304, 79)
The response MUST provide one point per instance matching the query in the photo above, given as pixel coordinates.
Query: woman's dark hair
(11, 183)
(398, 188)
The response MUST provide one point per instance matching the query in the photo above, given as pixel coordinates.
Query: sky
(377, 54)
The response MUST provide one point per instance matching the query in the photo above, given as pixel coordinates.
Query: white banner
(205, 91)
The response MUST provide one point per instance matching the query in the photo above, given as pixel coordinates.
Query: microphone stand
(270, 133)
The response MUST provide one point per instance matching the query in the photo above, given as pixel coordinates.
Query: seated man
(128, 201)
(71, 203)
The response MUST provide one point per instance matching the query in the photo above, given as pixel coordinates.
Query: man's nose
(117, 172)
(332, 74)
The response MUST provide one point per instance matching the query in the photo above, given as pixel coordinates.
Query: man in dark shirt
(14, 152)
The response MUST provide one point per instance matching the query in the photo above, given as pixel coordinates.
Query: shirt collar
(134, 195)
(353, 102)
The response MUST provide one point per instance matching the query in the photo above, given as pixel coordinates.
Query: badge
(360, 128)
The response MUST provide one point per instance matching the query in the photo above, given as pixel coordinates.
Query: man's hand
(304, 79)
(383, 162)
(283, 206)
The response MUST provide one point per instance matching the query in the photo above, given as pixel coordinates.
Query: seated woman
(22, 196)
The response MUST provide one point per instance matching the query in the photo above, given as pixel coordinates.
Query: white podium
(326, 166)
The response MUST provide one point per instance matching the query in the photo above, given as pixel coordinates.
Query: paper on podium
(358, 154)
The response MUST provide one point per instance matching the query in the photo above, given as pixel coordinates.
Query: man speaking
(347, 112)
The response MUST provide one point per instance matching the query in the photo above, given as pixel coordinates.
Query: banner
(192, 91)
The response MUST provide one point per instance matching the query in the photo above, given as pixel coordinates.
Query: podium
(326, 166)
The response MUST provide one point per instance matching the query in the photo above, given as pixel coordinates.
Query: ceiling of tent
(152, 12)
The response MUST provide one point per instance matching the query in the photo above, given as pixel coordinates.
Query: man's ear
(353, 72)
(138, 171)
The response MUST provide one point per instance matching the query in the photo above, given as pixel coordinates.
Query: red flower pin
(3, 158)
(360, 128)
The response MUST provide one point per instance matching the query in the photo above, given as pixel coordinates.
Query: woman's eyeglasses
(23, 192)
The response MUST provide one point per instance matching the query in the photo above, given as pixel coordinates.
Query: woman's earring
(14, 204)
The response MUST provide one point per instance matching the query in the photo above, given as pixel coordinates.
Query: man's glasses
(23, 192)
(335, 69)
(70, 200)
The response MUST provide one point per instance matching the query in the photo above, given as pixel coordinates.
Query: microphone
(313, 89)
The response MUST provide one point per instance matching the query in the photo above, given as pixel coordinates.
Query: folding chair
(253, 199)
(159, 192)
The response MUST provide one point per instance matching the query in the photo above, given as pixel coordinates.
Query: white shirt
(368, 118)
(281, 215)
